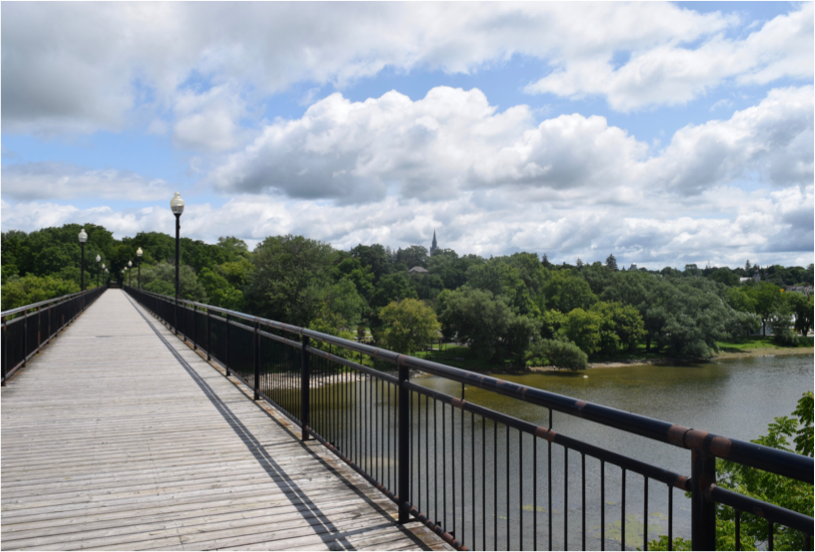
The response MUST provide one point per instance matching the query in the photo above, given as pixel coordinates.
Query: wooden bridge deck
(119, 436)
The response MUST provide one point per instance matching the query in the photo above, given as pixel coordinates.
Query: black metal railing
(479, 478)
(28, 329)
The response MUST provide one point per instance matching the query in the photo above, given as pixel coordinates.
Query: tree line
(510, 310)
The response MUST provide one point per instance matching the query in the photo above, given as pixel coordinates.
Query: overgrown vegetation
(508, 312)
(792, 434)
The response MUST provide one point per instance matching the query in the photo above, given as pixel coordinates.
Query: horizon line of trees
(510, 310)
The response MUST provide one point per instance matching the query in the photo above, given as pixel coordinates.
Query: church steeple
(434, 245)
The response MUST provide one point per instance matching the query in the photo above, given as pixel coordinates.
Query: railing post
(403, 464)
(305, 382)
(194, 327)
(257, 360)
(25, 336)
(227, 346)
(5, 351)
(703, 510)
(209, 340)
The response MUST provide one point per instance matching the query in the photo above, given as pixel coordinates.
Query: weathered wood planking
(119, 437)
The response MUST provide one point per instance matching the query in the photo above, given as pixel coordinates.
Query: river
(735, 398)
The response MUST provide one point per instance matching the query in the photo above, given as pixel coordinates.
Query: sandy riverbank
(722, 355)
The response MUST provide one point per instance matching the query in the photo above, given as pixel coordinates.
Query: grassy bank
(461, 357)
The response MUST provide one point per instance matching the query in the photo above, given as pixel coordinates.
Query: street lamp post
(105, 269)
(139, 253)
(177, 206)
(129, 272)
(98, 259)
(107, 275)
(83, 237)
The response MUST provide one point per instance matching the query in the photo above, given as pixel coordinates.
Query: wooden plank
(109, 442)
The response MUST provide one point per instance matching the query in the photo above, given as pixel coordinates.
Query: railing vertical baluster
(195, 328)
(645, 518)
(602, 505)
(226, 363)
(39, 327)
(670, 517)
(738, 530)
(305, 380)
(5, 351)
(209, 337)
(769, 535)
(25, 336)
(549, 482)
(703, 511)
(565, 498)
(583, 498)
(256, 359)
(404, 442)
(622, 514)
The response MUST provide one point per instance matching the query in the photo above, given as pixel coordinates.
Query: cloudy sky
(665, 134)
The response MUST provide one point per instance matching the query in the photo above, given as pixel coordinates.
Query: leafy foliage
(410, 325)
(290, 277)
(18, 292)
(767, 487)
(560, 354)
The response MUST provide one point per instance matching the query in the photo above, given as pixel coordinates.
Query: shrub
(560, 354)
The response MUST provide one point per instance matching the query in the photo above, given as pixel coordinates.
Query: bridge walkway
(120, 436)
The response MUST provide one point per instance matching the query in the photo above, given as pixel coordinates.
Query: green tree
(500, 278)
(18, 292)
(583, 329)
(766, 297)
(290, 277)
(488, 325)
(725, 276)
(560, 354)
(415, 255)
(566, 290)
(374, 258)
(341, 309)
(220, 292)
(410, 326)
(611, 263)
(160, 278)
(238, 273)
(802, 308)
(622, 326)
(392, 288)
(361, 276)
(741, 300)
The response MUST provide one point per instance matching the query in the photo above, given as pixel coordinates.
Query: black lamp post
(105, 269)
(129, 272)
(98, 258)
(177, 206)
(139, 253)
(83, 237)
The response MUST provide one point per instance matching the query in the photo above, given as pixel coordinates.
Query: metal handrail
(762, 457)
(22, 348)
(704, 446)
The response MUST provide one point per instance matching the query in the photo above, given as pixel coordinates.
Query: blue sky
(663, 133)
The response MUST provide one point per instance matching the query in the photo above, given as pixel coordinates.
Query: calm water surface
(735, 398)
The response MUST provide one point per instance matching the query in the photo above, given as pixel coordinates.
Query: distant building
(417, 270)
(633, 266)
(806, 290)
(755, 277)
(433, 246)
